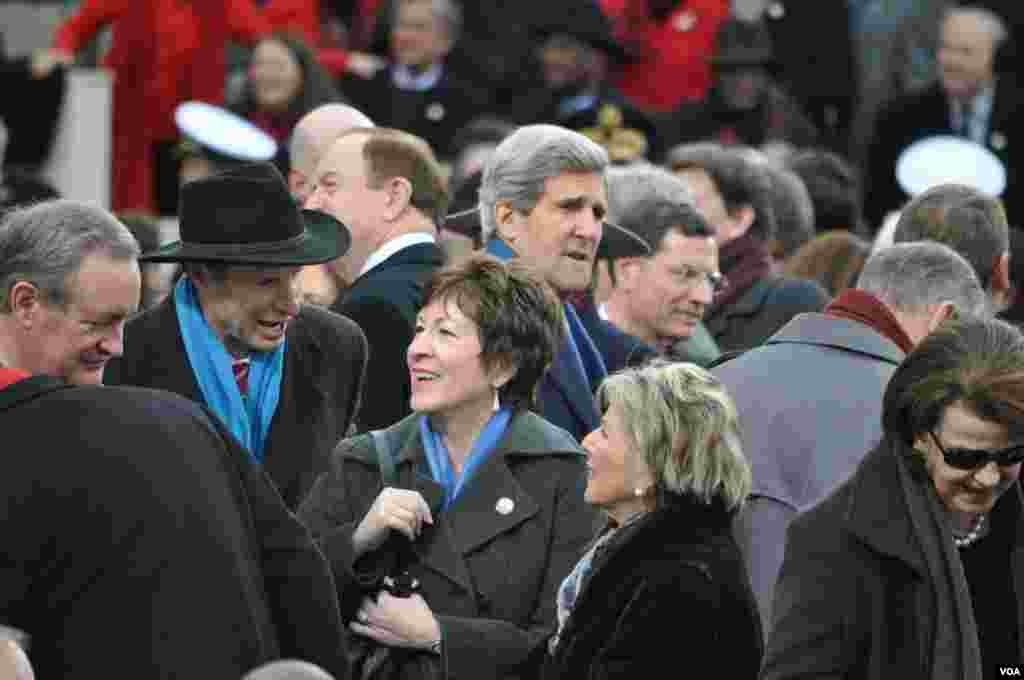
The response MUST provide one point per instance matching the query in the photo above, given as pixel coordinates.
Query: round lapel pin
(776, 10)
(435, 112)
(505, 506)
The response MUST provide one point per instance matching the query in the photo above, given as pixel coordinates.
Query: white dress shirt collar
(393, 246)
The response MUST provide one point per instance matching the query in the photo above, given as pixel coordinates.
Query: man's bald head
(288, 670)
(312, 135)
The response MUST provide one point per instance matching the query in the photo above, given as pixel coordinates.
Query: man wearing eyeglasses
(810, 398)
(660, 297)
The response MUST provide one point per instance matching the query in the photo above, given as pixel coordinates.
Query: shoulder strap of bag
(384, 442)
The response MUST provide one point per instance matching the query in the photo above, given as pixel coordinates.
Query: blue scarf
(247, 418)
(440, 460)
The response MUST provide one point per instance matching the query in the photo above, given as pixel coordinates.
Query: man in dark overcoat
(137, 533)
(285, 378)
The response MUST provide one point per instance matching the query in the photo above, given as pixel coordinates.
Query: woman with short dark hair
(915, 566)
(453, 559)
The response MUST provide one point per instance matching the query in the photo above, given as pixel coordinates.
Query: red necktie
(240, 367)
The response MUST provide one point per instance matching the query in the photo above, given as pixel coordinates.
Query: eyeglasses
(972, 459)
(691, 277)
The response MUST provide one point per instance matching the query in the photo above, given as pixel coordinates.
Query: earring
(638, 492)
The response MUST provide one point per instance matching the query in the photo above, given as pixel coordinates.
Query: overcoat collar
(877, 513)
(28, 389)
(812, 328)
(476, 517)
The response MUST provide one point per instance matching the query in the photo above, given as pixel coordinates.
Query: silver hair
(630, 184)
(794, 210)
(525, 159)
(991, 22)
(650, 201)
(684, 426)
(45, 244)
(448, 11)
(912, 276)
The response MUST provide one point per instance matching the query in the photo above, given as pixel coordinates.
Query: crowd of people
(546, 343)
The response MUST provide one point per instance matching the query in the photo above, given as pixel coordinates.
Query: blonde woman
(665, 580)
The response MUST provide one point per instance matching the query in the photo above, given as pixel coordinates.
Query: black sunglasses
(971, 459)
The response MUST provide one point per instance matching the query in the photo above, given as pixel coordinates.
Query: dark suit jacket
(489, 577)
(924, 114)
(140, 542)
(761, 310)
(384, 302)
(324, 370)
(670, 585)
(619, 349)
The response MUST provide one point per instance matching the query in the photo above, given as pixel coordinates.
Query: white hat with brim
(945, 159)
(223, 133)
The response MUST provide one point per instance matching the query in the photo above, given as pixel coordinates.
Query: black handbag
(368, 659)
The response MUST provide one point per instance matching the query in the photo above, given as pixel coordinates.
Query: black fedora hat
(246, 215)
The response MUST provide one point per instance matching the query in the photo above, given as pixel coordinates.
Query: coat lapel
(876, 513)
(302, 382)
(437, 548)
(170, 367)
(492, 503)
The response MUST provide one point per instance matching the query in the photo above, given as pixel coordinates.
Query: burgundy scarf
(744, 261)
(867, 309)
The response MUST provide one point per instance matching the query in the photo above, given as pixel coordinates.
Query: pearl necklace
(973, 535)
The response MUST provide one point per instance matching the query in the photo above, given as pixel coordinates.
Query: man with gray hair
(131, 508)
(660, 298)
(971, 223)
(543, 198)
(810, 398)
(69, 280)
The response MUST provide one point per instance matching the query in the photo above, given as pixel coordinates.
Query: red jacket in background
(672, 55)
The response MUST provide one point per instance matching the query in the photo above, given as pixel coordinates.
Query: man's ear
(26, 301)
(508, 221)
(1001, 272)
(1000, 287)
(940, 312)
(399, 197)
(627, 270)
(738, 224)
(296, 182)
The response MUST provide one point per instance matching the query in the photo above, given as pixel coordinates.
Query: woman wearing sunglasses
(914, 567)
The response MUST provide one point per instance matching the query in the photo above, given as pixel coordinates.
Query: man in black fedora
(286, 379)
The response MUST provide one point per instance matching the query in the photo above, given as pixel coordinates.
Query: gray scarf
(956, 652)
